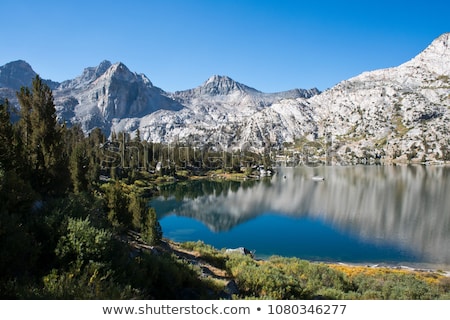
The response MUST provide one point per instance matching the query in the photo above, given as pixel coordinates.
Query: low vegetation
(293, 278)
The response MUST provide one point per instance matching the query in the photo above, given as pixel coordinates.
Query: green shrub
(93, 281)
(207, 253)
(84, 243)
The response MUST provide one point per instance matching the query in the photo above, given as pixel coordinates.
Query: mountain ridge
(397, 113)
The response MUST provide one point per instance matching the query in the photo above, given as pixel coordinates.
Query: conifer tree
(151, 230)
(79, 166)
(23, 132)
(42, 139)
(138, 210)
(117, 203)
(96, 139)
(6, 138)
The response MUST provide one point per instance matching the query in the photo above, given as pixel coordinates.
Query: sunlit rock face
(394, 114)
(390, 113)
(107, 93)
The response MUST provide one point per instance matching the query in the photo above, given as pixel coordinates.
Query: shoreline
(443, 270)
(419, 267)
(438, 267)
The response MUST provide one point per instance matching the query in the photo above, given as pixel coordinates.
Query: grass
(282, 278)
(399, 126)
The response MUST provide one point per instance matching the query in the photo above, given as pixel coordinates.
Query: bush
(84, 243)
(263, 280)
(208, 253)
(93, 281)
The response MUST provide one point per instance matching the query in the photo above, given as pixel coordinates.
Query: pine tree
(6, 138)
(23, 133)
(152, 231)
(17, 243)
(117, 203)
(41, 138)
(79, 165)
(95, 140)
(138, 210)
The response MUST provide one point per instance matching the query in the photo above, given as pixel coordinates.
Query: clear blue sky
(269, 45)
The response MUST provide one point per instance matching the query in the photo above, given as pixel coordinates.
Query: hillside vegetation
(66, 234)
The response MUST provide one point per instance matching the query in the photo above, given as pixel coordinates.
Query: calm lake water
(396, 215)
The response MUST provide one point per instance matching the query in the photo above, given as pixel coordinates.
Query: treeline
(63, 231)
(126, 156)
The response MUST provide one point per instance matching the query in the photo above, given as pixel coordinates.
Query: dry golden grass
(352, 271)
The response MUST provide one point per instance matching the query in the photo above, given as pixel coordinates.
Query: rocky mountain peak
(102, 67)
(440, 45)
(119, 71)
(223, 85)
(119, 67)
(92, 73)
(219, 79)
(88, 75)
(435, 58)
(16, 74)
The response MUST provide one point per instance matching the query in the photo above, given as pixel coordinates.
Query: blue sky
(269, 45)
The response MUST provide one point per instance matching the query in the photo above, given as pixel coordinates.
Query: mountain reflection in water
(404, 206)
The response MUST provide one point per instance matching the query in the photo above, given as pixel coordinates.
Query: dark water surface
(359, 214)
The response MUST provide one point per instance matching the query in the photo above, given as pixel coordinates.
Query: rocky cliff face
(13, 76)
(108, 92)
(16, 74)
(227, 114)
(398, 114)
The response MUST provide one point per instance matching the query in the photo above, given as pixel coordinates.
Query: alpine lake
(371, 215)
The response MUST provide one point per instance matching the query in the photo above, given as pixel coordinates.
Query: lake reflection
(360, 213)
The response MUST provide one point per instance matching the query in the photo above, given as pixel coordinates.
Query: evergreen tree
(42, 139)
(151, 231)
(95, 140)
(6, 138)
(72, 137)
(117, 203)
(138, 210)
(23, 133)
(79, 164)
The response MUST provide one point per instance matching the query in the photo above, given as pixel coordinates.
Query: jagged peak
(102, 67)
(435, 57)
(222, 85)
(303, 93)
(91, 73)
(439, 46)
(119, 68)
(16, 74)
(442, 40)
(218, 78)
